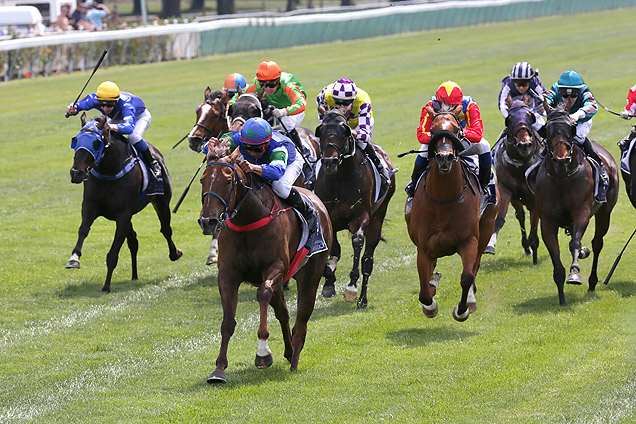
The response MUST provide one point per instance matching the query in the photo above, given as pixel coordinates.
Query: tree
(346, 3)
(170, 8)
(197, 5)
(225, 7)
(136, 7)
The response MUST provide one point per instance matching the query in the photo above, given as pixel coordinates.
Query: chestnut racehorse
(444, 218)
(259, 239)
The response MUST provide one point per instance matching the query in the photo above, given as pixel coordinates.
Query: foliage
(141, 354)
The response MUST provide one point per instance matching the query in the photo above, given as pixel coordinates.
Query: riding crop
(618, 258)
(611, 111)
(99, 62)
(188, 187)
(280, 121)
(179, 142)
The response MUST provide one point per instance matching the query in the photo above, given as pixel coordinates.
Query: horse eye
(96, 144)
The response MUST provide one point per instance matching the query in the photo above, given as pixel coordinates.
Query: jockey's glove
(576, 116)
(279, 113)
(625, 114)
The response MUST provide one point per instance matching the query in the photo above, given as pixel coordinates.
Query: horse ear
(206, 93)
(531, 118)
(547, 106)
(318, 131)
(430, 110)
(235, 154)
(239, 90)
(457, 109)
(83, 119)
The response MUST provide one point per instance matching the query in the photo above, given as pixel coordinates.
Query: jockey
(285, 93)
(450, 92)
(523, 79)
(628, 113)
(580, 103)
(128, 116)
(355, 104)
(272, 156)
(232, 84)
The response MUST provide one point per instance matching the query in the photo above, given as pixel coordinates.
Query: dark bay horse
(521, 149)
(630, 178)
(444, 218)
(347, 186)
(113, 188)
(564, 198)
(258, 242)
(211, 123)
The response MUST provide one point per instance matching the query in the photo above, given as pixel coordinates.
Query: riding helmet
(344, 89)
(268, 71)
(449, 92)
(234, 81)
(570, 79)
(108, 91)
(522, 71)
(256, 131)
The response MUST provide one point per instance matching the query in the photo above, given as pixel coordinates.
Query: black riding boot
(384, 173)
(603, 177)
(308, 211)
(415, 175)
(625, 142)
(152, 163)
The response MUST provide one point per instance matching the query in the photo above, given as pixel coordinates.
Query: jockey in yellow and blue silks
(283, 91)
(580, 103)
(272, 156)
(127, 115)
(355, 105)
(469, 117)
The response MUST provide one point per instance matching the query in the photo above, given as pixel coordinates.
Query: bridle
(344, 152)
(210, 131)
(251, 98)
(236, 179)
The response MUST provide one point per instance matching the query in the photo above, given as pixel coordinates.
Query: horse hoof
(472, 307)
(584, 253)
(431, 310)
(72, 263)
(177, 255)
(328, 291)
(211, 260)
(461, 318)
(489, 250)
(574, 278)
(263, 362)
(217, 377)
(350, 294)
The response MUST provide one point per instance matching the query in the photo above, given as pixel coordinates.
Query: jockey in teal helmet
(272, 156)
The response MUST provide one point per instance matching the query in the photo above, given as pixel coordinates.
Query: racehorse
(445, 219)
(630, 177)
(211, 123)
(258, 243)
(564, 198)
(347, 186)
(521, 149)
(113, 188)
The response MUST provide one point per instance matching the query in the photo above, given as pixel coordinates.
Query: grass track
(141, 354)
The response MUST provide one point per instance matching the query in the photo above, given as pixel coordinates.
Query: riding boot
(307, 210)
(384, 172)
(152, 163)
(625, 142)
(602, 172)
(485, 165)
(415, 175)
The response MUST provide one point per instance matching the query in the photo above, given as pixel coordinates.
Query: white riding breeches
(283, 186)
(142, 122)
(582, 130)
(292, 121)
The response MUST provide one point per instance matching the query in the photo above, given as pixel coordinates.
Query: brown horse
(211, 123)
(444, 218)
(347, 185)
(521, 149)
(564, 198)
(257, 244)
(113, 188)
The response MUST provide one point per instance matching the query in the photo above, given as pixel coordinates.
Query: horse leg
(282, 315)
(121, 232)
(602, 222)
(162, 207)
(425, 267)
(520, 214)
(228, 289)
(578, 229)
(374, 231)
(499, 221)
(88, 217)
(357, 241)
(534, 237)
(549, 234)
(272, 277)
(213, 257)
(133, 246)
(468, 253)
(329, 287)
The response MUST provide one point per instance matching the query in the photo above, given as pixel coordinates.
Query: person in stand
(128, 116)
(574, 94)
(628, 113)
(96, 12)
(284, 92)
(450, 93)
(79, 20)
(63, 21)
(355, 105)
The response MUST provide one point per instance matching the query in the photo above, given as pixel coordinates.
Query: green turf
(143, 352)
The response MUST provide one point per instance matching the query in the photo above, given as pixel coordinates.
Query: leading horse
(258, 243)
(564, 198)
(445, 215)
(347, 185)
(114, 188)
(520, 150)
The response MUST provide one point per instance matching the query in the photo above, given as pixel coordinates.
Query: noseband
(344, 152)
(235, 180)
(211, 132)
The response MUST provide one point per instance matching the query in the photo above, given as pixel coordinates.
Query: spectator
(96, 12)
(63, 21)
(115, 21)
(79, 20)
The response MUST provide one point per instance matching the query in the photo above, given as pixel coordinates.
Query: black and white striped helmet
(522, 71)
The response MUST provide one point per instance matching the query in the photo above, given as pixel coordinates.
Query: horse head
(221, 184)
(444, 145)
(210, 119)
(336, 141)
(520, 134)
(89, 145)
(560, 133)
(247, 105)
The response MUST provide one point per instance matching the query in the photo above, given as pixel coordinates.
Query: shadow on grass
(490, 263)
(576, 295)
(248, 376)
(623, 288)
(420, 337)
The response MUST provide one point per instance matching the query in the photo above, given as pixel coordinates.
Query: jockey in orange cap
(450, 92)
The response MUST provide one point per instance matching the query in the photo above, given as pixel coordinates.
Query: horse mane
(216, 94)
(218, 150)
(445, 108)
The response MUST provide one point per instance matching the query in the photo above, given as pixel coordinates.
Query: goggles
(343, 102)
(569, 92)
(521, 83)
(256, 149)
(107, 103)
(269, 84)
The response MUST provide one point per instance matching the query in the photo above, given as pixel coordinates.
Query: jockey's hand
(576, 116)
(112, 127)
(625, 114)
(354, 133)
(71, 109)
(279, 113)
(248, 167)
